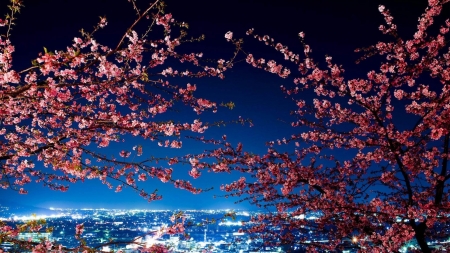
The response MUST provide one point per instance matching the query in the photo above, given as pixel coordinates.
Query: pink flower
(433, 2)
(77, 40)
(79, 230)
(437, 133)
(229, 36)
(176, 144)
(124, 153)
(194, 173)
(142, 177)
(193, 161)
(3, 22)
(103, 22)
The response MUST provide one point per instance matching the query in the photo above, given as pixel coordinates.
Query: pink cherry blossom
(60, 115)
(229, 36)
(388, 183)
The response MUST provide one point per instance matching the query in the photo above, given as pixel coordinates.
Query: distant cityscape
(134, 228)
(111, 230)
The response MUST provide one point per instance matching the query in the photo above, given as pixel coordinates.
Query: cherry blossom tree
(367, 167)
(59, 116)
(65, 109)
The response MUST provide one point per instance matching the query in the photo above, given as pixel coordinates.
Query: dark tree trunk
(419, 230)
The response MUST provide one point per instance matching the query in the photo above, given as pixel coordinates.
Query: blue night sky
(332, 27)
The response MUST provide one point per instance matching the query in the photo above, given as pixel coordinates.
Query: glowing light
(36, 217)
(230, 223)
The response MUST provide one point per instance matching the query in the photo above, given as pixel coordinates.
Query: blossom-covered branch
(367, 167)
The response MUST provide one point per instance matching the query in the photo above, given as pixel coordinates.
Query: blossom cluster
(58, 116)
(391, 185)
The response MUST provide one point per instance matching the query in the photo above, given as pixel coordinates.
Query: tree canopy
(364, 168)
(367, 166)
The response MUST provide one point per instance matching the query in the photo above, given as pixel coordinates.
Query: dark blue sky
(332, 27)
